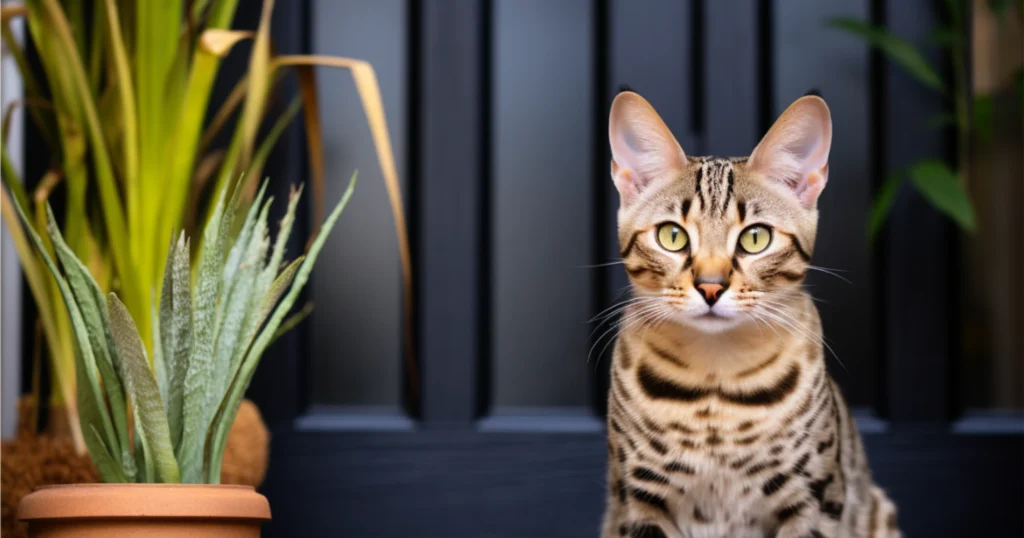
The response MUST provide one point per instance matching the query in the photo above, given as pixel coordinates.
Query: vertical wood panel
(918, 240)
(452, 141)
(731, 84)
(541, 203)
(807, 55)
(357, 327)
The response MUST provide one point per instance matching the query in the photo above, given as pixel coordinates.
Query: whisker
(831, 272)
(597, 265)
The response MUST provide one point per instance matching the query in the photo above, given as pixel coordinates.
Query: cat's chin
(711, 322)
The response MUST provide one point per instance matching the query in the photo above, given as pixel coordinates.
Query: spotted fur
(722, 418)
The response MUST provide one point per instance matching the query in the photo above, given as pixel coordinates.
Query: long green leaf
(176, 333)
(259, 83)
(229, 407)
(108, 468)
(145, 395)
(37, 280)
(896, 48)
(90, 300)
(89, 394)
(939, 185)
(198, 380)
(110, 199)
(126, 93)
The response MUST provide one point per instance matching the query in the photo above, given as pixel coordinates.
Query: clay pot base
(144, 510)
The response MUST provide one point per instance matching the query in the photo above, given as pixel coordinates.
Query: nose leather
(711, 291)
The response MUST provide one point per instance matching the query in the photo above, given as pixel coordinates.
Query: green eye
(755, 239)
(672, 237)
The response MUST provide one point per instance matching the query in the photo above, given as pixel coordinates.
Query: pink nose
(711, 291)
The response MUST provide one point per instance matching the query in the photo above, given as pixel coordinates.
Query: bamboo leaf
(939, 185)
(145, 395)
(111, 202)
(126, 92)
(259, 83)
(896, 48)
(90, 301)
(883, 203)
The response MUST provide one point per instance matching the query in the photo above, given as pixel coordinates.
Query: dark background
(497, 110)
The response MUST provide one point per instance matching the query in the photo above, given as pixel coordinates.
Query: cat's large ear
(643, 148)
(794, 153)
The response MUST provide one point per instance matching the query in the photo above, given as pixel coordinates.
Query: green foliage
(942, 186)
(896, 48)
(210, 338)
(938, 183)
(121, 93)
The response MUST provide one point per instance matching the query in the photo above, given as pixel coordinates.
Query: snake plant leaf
(269, 285)
(91, 410)
(104, 461)
(238, 306)
(176, 333)
(141, 386)
(896, 48)
(198, 378)
(939, 185)
(229, 406)
(159, 365)
(91, 302)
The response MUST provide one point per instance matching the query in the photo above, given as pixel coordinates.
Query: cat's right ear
(643, 148)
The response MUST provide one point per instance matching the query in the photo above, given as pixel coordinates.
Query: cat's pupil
(754, 233)
(675, 233)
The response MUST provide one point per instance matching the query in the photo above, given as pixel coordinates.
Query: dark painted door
(498, 110)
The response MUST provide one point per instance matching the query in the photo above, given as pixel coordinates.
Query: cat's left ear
(794, 153)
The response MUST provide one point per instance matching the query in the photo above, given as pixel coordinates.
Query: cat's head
(717, 242)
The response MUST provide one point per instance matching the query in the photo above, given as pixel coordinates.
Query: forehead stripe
(728, 192)
(700, 191)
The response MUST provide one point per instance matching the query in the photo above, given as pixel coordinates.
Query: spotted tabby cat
(722, 419)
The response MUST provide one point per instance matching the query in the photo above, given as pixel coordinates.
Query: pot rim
(134, 501)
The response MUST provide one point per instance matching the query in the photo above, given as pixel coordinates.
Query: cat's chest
(722, 493)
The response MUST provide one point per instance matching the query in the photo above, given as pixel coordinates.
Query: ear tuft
(795, 151)
(643, 148)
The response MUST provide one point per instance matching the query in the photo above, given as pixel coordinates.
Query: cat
(722, 419)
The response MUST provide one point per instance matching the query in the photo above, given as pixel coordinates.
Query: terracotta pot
(150, 510)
